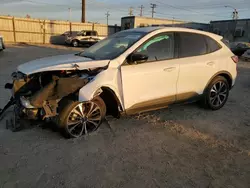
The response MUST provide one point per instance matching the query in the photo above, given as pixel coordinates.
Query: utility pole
(83, 11)
(130, 11)
(70, 25)
(173, 22)
(153, 6)
(70, 14)
(235, 17)
(141, 10)
(107, 15)
(235, 13)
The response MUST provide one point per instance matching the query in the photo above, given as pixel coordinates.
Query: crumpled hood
(60, 62)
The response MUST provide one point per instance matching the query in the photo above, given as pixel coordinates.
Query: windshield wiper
(88, 57)
(78, 54)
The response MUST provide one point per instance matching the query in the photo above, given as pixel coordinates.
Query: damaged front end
(38, 96)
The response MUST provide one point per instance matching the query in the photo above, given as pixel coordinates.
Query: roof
(172, 29)
(142, 29)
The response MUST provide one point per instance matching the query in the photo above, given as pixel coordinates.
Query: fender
(217, 74)
(88, 93)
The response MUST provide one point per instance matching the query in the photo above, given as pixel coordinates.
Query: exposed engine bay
(38, 96)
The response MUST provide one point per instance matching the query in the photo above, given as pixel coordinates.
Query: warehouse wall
(234, 31)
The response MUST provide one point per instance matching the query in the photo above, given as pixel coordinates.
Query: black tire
(67, 108)
(216, 100)
(75, 43)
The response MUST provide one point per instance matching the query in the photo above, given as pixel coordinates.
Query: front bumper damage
(33, 103)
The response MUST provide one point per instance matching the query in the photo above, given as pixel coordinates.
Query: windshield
(112, 46)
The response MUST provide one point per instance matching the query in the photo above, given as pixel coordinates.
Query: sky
(188, 10)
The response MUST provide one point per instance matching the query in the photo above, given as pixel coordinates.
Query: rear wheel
(216, 94)
(77, 118)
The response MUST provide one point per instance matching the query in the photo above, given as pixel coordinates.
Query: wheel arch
(112, 102)
(224, 74)
(75, 40)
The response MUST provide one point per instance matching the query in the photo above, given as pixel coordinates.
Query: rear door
(198, 57)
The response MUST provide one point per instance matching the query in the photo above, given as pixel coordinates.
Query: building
(136, 21)
(130, 22)
(194, 25)
(232, 30)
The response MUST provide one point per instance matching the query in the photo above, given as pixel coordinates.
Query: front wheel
(216, 94)
(79, 118)
(75, 43)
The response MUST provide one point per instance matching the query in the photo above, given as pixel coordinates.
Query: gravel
(182, 146)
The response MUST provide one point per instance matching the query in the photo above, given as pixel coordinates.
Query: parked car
(239, 48)
(129, 72)
(246, 55)
(84, 37)
(2, 46)
(70, 33)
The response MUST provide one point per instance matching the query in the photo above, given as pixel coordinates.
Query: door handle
(211, 63)
(169, 69)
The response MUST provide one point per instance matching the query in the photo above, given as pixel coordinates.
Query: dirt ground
(183, 146)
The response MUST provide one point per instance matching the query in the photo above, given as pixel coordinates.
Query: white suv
(130, 72)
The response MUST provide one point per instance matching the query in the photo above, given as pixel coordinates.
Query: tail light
(235, 59)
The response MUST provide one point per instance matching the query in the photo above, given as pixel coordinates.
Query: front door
(151, 84)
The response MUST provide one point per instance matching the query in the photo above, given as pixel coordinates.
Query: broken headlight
(25, 102)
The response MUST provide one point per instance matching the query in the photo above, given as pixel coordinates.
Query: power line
(44, 3)
(153, 6)
(102, 4)
(212, 5)
(189, 10)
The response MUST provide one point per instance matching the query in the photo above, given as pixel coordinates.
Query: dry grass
(192, 133)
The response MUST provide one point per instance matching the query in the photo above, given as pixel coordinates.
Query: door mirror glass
(136, 58)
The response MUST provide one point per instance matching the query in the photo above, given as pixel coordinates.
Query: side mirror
(137, 58)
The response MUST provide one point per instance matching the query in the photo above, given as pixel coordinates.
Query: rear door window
(212, 45)
(191, 44)
(88, 33)
(94, 33)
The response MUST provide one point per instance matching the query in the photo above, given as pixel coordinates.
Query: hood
(60, 62)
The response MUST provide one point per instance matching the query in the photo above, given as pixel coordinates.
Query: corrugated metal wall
(227, 29)
(15, 29)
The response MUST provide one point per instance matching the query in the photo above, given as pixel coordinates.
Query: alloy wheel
(218, 94)
(83, 119)
(75, 43)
